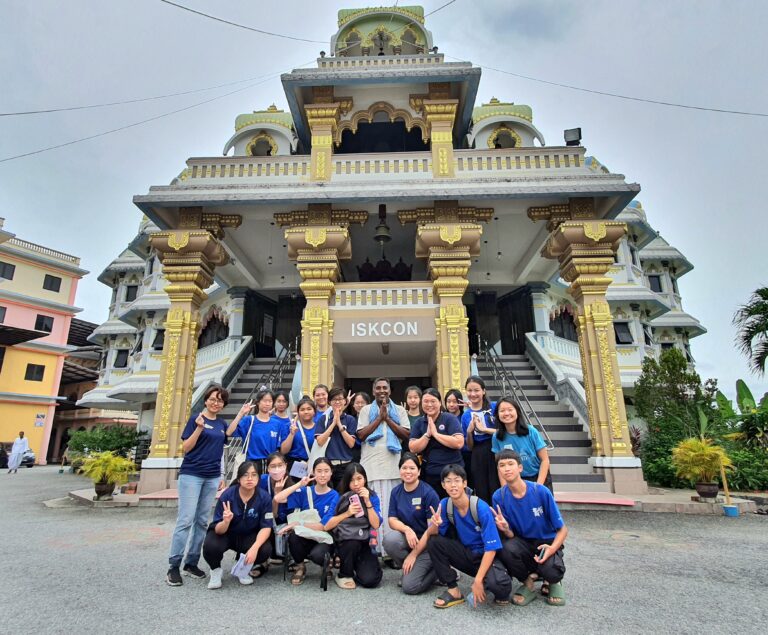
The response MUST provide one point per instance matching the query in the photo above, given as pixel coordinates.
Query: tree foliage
(751, 320)
(118, 439)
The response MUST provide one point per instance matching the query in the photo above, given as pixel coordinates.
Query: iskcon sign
(384, 329)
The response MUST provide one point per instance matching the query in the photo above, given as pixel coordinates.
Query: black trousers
(337, 473)
(485, 476)
(302, 549)
(215, 546)
(467, 458)
(447, 553)
(359, 562)
(517, 558)
(433, 480)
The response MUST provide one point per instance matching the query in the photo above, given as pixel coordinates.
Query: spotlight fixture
(269, 260)
(498, 255)
(572, 136)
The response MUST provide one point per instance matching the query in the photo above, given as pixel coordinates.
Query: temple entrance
(398, 385)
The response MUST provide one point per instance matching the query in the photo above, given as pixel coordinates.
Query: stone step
(571, 459)
(578, 478)
(564, 487)
(568, 450)
(574, 443)
(571, 468)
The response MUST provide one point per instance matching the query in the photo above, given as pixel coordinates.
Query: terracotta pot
(707, 490)
(104, 491)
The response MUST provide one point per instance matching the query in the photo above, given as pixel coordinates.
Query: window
(688, 354)
(2, 314)
(34, 372)
(121, 359)
(648, 335)
(139, 341)
(159, 341)
(131, 291)
(44, 323)
(665, 346)
(622, 332)
(7, 270)
(633, 255)
(655, 283)
(52, 283)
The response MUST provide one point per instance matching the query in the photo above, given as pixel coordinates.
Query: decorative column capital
(196, 218)
(577, 208)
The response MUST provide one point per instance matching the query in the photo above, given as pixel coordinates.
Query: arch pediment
(393, 114)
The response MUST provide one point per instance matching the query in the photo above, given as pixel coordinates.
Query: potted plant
(699, 460)
(107, 470)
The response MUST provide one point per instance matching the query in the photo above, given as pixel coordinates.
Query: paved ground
(75, 569)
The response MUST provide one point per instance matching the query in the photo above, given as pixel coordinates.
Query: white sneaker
(215, 581)
(246, 580)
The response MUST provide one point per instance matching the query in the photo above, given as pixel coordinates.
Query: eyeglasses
(338, 400)
(215, 400)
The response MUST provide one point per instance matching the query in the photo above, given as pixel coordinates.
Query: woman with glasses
(242, 523)
(200, 476)
(336, 432)
(438, 437)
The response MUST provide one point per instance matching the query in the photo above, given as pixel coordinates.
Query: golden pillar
(449, 236)
(318, 240)
(585, 251)
(440, 115)
(189, 256)
(323, 119)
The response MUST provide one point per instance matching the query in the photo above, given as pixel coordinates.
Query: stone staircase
(249, 378)
(573, 446)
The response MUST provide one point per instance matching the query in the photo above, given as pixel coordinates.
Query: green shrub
(118, 439)
(750, 468)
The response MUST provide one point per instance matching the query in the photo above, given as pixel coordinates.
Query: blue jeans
(196, 496)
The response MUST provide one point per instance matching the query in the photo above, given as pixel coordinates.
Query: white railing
(277, 169)
(559, 347)
(397, 165)
(405, 295)
(473, 163)
(215, 352)
(380, 61)
(45, 251)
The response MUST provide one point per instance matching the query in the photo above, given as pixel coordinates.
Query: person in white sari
(20, 446)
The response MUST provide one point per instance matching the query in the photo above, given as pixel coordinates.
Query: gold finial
(272, 108)
(494, 100)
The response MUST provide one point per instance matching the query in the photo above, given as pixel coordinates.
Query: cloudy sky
(701, 172)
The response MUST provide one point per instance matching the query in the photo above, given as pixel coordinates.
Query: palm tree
(752, 322)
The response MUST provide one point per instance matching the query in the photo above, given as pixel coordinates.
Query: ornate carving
(315, 236)
(504, 129)
(263, 136)
(595, 231)
(178, 241)
(450, 233)
(353, 122)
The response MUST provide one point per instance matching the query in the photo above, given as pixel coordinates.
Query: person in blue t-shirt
(515, 433)
(454, 404)
(479, 424)
(292, 444)
(273, 482)
(466, 542)
(409, 512)
(199, 477)
(438, 437)
(282, 403)
(357, 514)
(303, 496)
(260, 432)
(241, 522)
(532, 530)
(336, 431)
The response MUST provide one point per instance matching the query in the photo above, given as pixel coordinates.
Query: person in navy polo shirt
(469, 542)
(438, 437)
(336, 432)
(409, 512)
(242, 522)
(199, 477)
(532, 530)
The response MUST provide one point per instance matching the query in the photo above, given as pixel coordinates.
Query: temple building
(386, 224)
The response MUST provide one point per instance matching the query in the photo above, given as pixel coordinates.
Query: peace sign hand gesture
(436, 519)
(306, 480)
(226, 514)
(245, 408)
(501, 523)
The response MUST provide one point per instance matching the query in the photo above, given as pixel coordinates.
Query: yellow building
(37, 294)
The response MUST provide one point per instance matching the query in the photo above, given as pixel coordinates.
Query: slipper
(448, 600)
(345, 583)
(525, 593)
(544, 588)
(298, 576)
(259, 570)
(556, 592)
(502, 601)
(336, 562)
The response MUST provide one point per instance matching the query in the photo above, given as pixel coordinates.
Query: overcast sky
(700, 172)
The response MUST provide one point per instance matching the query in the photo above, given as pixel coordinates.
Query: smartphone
(355, 500)
(542, 552)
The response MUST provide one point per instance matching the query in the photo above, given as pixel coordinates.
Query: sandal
(502, 601)
(299, 574)
(544, 588)
(326, 572)
(447, 600)
(336, 562)
(556, 594)
(345, 583)
(259, 570)
(525, 593)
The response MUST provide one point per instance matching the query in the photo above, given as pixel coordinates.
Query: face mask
(277, 473)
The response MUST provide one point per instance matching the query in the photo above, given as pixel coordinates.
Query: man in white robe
(20, 446)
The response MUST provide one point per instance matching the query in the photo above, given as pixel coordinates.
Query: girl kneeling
(242, 522)
(357, 513)
(321, 498)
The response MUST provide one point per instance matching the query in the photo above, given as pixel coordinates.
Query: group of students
(432, 487)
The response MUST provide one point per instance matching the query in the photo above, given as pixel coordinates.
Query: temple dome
(381, 30)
